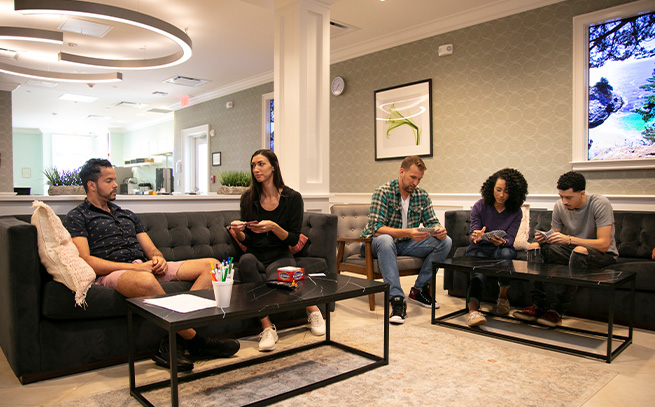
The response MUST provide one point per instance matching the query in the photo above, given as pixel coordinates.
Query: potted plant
(233, 182)
(64, 182)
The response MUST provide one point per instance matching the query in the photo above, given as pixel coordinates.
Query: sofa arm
(321, 229)
(20, 300)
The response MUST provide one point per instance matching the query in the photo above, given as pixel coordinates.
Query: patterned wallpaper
(6, 149)
(238, 130)
(503, 98)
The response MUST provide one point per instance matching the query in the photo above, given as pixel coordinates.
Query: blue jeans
(386, 251)
(476, 286)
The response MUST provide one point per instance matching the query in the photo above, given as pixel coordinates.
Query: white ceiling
(232, 50)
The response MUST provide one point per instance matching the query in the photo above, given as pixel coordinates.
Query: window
(268, 121)
(86, 146)
(614, 88)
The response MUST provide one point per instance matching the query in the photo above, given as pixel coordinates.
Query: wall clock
(338, 86)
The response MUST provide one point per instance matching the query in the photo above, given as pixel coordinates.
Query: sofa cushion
(59, 254)
(102, 302)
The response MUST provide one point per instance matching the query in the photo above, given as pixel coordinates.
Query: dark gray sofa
(43, 334)
(635, 239)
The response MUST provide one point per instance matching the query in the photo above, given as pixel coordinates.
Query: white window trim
(266, 121)
(581, 88)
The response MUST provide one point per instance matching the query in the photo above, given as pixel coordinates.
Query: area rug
(429, 366)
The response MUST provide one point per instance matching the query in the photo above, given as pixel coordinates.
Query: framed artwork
(403, 121)
(216, 159)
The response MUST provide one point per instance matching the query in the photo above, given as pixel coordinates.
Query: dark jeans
(476, 285)
(251, 270)
(559, 254)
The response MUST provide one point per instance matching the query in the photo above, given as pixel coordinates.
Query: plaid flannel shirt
(386, 209)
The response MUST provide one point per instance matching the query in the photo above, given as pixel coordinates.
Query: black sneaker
(422, 297)
(202, 347)
(398, 310)
(161, 357)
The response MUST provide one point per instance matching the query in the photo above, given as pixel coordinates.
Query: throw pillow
(302, 240)
(522, 236)
(59, 254)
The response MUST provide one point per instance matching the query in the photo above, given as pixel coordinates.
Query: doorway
(195, 160)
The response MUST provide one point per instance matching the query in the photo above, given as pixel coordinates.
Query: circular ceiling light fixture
(117, 14)
(61, 76)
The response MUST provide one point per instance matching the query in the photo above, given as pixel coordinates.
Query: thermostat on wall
(446, 49)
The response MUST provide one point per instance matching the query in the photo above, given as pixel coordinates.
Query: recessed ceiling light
(77, 98)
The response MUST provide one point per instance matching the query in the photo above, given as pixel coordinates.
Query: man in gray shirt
(582, 235)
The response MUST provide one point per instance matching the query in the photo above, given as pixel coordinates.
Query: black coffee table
(608, 280)
(250, 301)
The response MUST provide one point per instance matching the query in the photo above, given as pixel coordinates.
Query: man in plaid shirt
(398, 208)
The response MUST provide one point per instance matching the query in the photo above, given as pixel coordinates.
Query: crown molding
(489, 12)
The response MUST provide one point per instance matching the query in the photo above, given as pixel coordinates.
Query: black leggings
(251, 270)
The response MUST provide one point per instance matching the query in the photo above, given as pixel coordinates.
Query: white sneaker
(268, 339)
(316, 323)
(476, 318)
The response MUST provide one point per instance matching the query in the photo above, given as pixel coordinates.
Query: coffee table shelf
(608, 280)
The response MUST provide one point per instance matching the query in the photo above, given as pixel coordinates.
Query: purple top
(487, 215)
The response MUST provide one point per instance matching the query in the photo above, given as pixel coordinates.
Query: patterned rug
(428, 367)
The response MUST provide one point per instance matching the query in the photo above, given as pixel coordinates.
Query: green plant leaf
(396, 120)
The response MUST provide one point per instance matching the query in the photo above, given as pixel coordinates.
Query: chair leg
(368, 255)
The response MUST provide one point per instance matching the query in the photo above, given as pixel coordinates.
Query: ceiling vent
(43, 84)
(337, 29)
(83, 27)
(132, 105)
(158, 110)
(98, 117)
(185, 81)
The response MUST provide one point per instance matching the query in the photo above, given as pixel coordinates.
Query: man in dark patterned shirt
(115, 244)
(398, 208)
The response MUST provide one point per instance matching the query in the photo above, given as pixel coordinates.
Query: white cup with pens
(222, 281)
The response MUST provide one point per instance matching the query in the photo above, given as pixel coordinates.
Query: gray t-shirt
(583, 222)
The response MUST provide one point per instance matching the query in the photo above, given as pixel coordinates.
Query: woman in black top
(271, 218)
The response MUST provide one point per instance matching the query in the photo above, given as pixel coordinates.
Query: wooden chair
(352, 220)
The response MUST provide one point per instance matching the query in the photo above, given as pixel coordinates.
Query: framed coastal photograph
(216, 159)
(403, 120)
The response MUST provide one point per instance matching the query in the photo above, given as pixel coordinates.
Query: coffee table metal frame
(488, 269)
(208, 316)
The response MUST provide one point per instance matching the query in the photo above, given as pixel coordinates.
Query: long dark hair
(253, 193)
(517, 188)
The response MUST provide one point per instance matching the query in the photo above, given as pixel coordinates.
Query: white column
(302, 110)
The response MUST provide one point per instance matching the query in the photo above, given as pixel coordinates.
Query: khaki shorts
(111, 280)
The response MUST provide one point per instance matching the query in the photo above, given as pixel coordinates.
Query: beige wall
(6, 149)
(504, 98)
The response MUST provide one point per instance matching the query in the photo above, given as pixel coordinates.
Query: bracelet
(569, 240)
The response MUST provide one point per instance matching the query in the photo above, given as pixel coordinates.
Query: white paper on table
(316, 274)
(182, 302)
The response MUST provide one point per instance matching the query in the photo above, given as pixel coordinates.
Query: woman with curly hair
(503, 193)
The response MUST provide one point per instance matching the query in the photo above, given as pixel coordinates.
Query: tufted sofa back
(634, 234)
(192, 235)
(352, 220)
